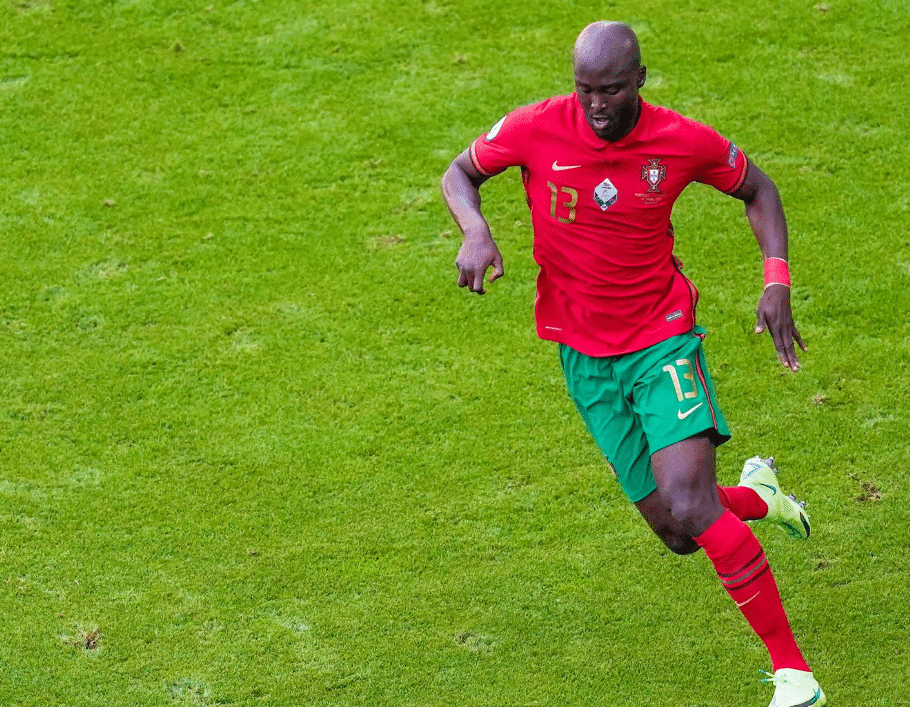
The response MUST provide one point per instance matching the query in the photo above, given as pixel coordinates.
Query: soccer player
(602, 169)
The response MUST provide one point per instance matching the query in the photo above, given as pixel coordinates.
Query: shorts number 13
(688, 374)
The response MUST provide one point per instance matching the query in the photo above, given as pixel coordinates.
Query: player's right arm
(461, 191)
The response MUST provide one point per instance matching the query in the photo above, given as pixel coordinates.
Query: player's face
(609, 98)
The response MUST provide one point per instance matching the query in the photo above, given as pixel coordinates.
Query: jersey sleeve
(506, 144)
(721, 164)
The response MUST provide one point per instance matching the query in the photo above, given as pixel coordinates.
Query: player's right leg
(758, 497)
(604, 407)
(760, 476)
(743, 502)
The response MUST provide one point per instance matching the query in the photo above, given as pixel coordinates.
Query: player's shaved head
(608, 74)
(607, 44)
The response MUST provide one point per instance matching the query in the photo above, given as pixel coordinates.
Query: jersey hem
(607, 353)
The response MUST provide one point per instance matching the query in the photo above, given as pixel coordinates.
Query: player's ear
(642, 75)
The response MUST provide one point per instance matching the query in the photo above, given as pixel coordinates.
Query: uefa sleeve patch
(494, 131)
(734, 153)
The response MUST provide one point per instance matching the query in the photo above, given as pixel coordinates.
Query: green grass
(259, 449)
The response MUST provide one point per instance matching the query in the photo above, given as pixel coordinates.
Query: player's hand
(477, 255)
(775, 315)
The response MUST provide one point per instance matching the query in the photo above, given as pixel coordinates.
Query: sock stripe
(747, 574)
(755, 559)
(754, 578)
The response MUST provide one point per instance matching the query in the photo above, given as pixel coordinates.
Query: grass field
(258, 448)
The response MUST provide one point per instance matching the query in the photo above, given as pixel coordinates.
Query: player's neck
(632, 123)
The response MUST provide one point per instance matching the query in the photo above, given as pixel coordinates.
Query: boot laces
(774, 679)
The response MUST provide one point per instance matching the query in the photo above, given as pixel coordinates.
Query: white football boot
(760, 475)
(795, 688)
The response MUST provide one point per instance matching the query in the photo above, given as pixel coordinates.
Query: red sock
(743, 502)
(744, 571)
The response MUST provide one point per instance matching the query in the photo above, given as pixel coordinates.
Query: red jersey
(609, 282)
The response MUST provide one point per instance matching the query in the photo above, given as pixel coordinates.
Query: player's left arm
(766, 217)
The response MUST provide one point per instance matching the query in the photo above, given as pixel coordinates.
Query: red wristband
(776, 272)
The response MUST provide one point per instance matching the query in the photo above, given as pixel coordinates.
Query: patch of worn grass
(86, 639)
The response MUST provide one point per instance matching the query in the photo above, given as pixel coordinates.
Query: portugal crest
(654, 173)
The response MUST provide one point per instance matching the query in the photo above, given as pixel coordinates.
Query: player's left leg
(665, 526)
(685, 477)
(674, 374)
(673, 398)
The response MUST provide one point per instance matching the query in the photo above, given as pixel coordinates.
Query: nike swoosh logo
(818, 695)
(683, 415)
(743, 603)
(560, 168)
(773, 490)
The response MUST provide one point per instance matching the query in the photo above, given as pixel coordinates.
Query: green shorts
(638, 403)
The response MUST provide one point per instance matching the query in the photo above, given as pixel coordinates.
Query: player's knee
(694, 517)
(679, 544)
